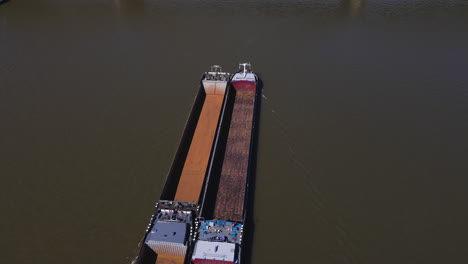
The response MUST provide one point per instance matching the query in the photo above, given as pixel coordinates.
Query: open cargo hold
(220, 230)
(231, 189)
(194, 170)
(196, 164)
(169, 236)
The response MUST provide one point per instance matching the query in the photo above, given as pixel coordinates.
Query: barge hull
(169, 236)
(220, 233)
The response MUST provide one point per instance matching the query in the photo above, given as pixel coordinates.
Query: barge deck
(201, 214)
(221, 227)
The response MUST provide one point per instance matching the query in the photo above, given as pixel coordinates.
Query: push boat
(203, 209)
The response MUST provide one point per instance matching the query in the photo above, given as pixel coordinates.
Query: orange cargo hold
(196, 164)
(170, 259)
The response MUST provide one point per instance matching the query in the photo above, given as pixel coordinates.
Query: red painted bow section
(244, 86)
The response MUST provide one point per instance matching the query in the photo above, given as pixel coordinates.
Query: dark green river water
(363, 143)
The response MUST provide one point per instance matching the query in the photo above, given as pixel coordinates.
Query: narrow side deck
(232, 184)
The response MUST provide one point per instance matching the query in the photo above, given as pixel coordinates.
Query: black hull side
(146, 254)
(173, 177)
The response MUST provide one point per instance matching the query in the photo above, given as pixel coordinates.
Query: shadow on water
(353, 8)
(129, 8)
(4, 2)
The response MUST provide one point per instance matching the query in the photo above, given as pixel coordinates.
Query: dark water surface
(363, 143)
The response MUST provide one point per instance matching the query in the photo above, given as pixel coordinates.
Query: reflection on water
(353, 7)
(130, 8)
(362, 133)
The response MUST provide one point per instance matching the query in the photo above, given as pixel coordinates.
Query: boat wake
(319, 203)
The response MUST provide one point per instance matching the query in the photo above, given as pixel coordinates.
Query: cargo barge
(224, 214)
(202, 211)
(169, 236)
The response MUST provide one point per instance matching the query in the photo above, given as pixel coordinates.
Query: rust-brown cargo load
(230, 199)
(224, 225)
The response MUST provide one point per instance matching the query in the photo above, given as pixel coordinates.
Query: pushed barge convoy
(201, 214)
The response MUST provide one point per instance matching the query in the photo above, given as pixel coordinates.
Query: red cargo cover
(244, 86)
